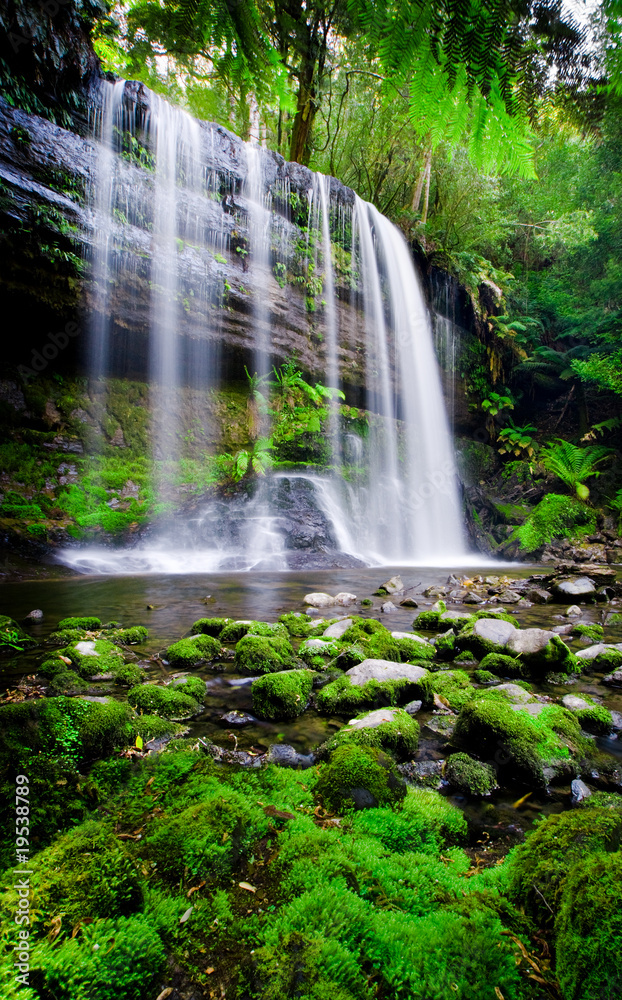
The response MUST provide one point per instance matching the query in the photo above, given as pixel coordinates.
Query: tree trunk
(299, 151)
(426, 200)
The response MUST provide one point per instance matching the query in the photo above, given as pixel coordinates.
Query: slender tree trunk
(306, 109)
(426, 199)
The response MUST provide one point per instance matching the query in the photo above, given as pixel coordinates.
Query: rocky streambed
(353, 743)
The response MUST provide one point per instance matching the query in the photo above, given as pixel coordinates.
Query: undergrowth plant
(572, 464)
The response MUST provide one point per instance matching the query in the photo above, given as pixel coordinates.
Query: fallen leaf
(65, 659)
(519, 802)
(499, 994)
(277, 813)
(195, 888)
(165, 993)
(139, 743)
(186, 915)
(55, 928)
(210, 969)
(247, 886)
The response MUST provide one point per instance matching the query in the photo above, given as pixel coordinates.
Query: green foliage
(572, 464)
(604, 370)
(555, 517)
(517, 441)
(13, 636)
(282, 695)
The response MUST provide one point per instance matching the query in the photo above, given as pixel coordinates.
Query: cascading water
(388, 489)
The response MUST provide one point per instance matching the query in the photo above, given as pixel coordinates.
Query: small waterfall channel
(176, 206)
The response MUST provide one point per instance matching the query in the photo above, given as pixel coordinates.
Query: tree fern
(572, 464)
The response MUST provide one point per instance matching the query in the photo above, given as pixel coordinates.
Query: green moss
(342, 696)
(412, 651)
(85, 873)
(268, 629)
(470, 776)
(374, 639)
(88, 623)
(256, 654)
(398, 735)
(522, 744)
(190, 652)
(105, 658)
(297, 623)
(234, 631)
(555, 517)
(485, 676)
(359, 777)
(67, 682)
(589, 929)
(152, 727)
(128, 636)
(539, 868)
(316, 656)
(193, 686)
(596, 719)
(592, 631)
(63, 636)
(210, 626)
(129, 674)
(609, 659)
(429, 621)
(453, 686)
(504, 666)
(282, 695)
(169, 702)
(445, 646)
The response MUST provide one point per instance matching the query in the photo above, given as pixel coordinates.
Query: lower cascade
(203, 221)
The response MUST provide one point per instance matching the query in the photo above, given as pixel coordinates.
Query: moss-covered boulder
(193, 686)
(69, 728)
(258, 654)
(452, 687)
(359, 778)
(63, 636)
(373, 638)
(542, 651)
(233, 631)
(532, 744)
(538, 870)
(268, 629)
(297, 623)
(610, 658)
(371, 684)
(93, 657)
(469, 776)
(504, 665)
(210, 626)
(485, 635)
(282, 695)
(318, 653)
(190, 652)
(588, 934)
(390, 729)
(87, 623)
(592, 717)
(128, 636)
(169, 702)
(13, 638)
(485, 677)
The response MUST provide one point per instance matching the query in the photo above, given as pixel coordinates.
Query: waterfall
(199, 237)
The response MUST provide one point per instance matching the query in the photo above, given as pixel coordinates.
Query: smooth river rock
(336, 630)
(411, 635)
(319, 600)
(579, 587)
(384, 670)
(528, 641)
(373, 719)
(494, 630)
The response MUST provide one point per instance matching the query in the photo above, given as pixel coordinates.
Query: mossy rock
(530, 749)
(90, 657)
(413, 651)
(268, 629)
(591, 631)
(359, 778)
(485, 677)
(297, 623)
(341, 696)
(13, 638)
(128, 636)
(282, 695)
(85, 874)
(210, 626)
(169, 702)
(609, 659)
(88, 623)
(596, 720)
(152, 727)
(374, 639)
(258, 654)
(452, 686)
(445, 646)
(66, 635)
(503, 665)
(193, 686)
(429, 621)
(539, 868)
(63, 728)
(588, 934)
(317, 653)
(192, 651)
(68, 682)
(234, 631)
(390, 729)
(470, 776)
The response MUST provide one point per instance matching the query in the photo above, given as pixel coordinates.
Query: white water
(388, 497)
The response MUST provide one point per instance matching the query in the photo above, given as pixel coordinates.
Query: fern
(572, 464)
